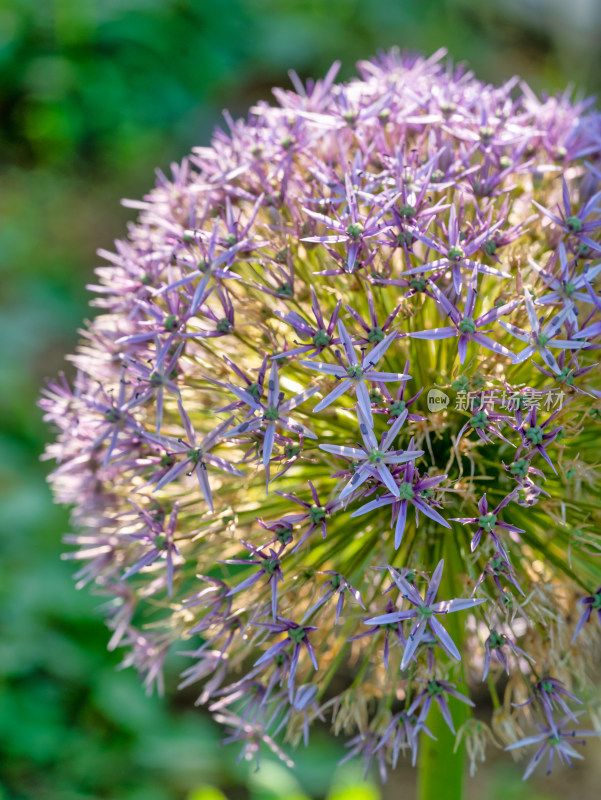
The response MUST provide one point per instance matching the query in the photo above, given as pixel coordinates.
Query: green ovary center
(406, 491)
(317, 513)
(397, 408)
(271, 565)
(297, 634)
(467, 325)
(535, 435)
(171, 322)
(520, 468)
(355, 230)
(487, 521)
(254, 390)
(321, 339)
(566, 376)
(479, 420)
(375, 335)
(456, 253)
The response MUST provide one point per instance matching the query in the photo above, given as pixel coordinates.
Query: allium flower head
(261, 479)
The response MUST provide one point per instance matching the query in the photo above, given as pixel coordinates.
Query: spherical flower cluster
(334, 432)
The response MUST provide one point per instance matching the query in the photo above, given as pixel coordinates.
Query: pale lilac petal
(372, 506)
(220, 463)
(538, 737)
(403, 458)
(528, 352)
(517, 332)
(394, 616)
(342, 387)
(364, 402)
(430, 512)
(245, 427)
(351, 356)
(385, 377)
(413, 642)
(203, 481)
(435, 333)
(273, 386)
(379, 350)
(400, 523)
(549, 359)
(296, 427)
(460, 604)
(443, 637)
(565, 344)
(342, 450)
(387, 478)
(246, 584)
(530, 310)
(434, 582)
(390, 435)
(332, 239)
(489, 343)
(369, 437)
(359, 478)
(320, 366)
(268, 443)
(175, 471)
(295, 401)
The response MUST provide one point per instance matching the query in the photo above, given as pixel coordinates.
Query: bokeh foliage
(93, 95)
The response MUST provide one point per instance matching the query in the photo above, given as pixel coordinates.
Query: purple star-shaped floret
(197, 455)
(410, 491)
(374, 460)
(555, 739)
(574, 222)
(296, 635)
(268, 414)
(464, 325)
(437, 691)
(269, 563)
(426, 613)
(352, 228)
(355, 375)
(488, 522)
(541, 337)
(455, 252)
(320, 336)
(591, 603)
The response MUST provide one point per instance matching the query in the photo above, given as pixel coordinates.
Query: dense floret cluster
(334, 432)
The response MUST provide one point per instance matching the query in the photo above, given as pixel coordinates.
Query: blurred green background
(94, 94)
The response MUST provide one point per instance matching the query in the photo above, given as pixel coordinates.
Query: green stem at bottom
(441, 771)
